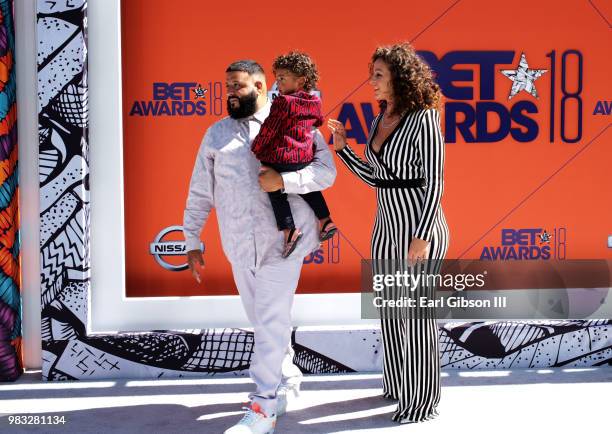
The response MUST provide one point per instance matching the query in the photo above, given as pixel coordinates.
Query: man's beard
(247, 105)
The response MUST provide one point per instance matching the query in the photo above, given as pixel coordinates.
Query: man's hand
(195, 257)
(270, 179)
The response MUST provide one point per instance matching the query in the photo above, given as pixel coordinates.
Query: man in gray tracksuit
(228, 177)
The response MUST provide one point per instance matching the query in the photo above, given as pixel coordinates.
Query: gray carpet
(479, 401)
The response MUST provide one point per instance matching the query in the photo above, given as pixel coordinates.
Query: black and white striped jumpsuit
(414, 149)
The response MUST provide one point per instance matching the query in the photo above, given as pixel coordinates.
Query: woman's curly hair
(299, 64)
(414, 87)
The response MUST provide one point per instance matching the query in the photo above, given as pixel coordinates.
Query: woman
(405, 161)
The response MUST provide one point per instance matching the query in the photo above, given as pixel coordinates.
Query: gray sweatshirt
(225, 177)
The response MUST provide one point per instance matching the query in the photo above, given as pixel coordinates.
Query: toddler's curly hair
(299, 64)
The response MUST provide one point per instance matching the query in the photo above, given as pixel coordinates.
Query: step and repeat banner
(525, 115)
(525, 110)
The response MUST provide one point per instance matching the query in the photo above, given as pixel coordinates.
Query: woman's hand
(338, 132)
(418, 251)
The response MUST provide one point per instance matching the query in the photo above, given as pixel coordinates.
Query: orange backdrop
(561, 186)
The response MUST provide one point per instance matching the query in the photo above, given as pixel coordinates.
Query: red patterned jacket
(286, 134)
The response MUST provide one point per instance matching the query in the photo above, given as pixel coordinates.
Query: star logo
(199, 92)
(523, 78)
(545, 237)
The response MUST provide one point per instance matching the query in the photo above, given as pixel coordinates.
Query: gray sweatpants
(267, 297)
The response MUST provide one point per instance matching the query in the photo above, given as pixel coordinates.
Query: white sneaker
(281, 403)
(254, 422)
(282, 397)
